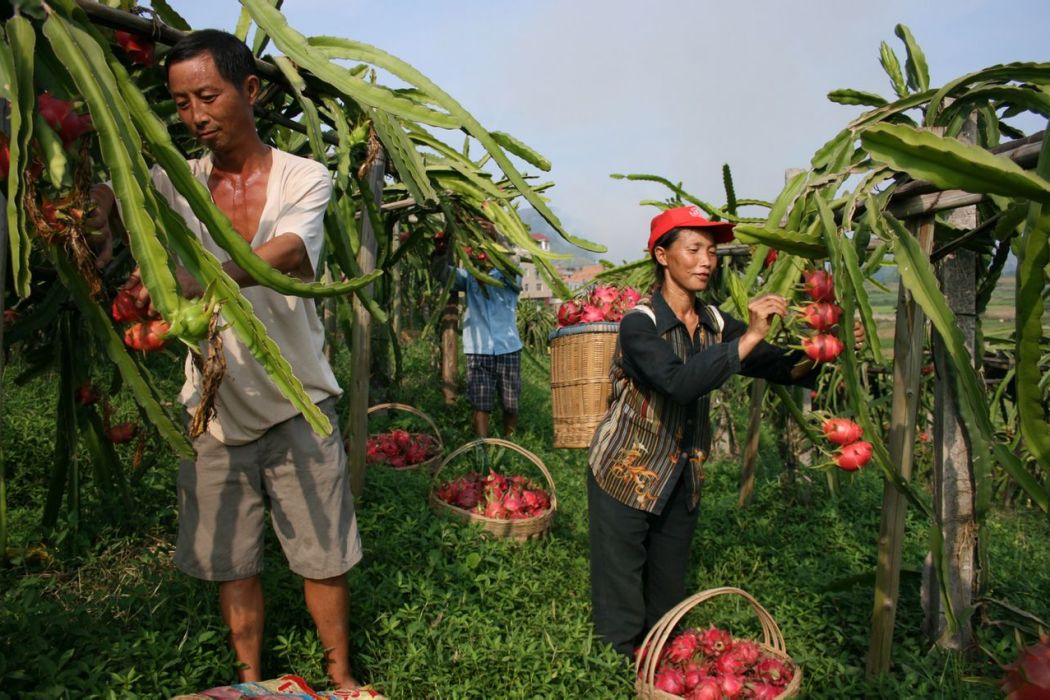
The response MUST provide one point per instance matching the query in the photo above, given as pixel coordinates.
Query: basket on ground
(436, 453)
(648, 661)
(523, 529)
(581, 356)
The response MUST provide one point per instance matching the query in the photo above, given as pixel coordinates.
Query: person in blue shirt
(491, 343)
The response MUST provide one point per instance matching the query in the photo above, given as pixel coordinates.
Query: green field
(997, 319)
(440, 612)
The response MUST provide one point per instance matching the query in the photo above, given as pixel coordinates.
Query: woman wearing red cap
(647, 456)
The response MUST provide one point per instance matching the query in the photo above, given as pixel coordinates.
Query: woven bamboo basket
(772, 643)
(580, 387)
(428, 464)
(524, 529)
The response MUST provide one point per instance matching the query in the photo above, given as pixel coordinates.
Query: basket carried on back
(429, 463)
(524, 529)
(581, 356)
(647, 662)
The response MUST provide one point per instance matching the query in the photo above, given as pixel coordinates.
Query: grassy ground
(439, 612)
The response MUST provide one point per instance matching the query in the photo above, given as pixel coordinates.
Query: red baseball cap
(687, 217)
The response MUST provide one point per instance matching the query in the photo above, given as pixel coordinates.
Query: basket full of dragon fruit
(710, 664)
(400, 448)
(581, 354)
(506, 505)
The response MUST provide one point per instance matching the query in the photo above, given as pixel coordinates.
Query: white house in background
(532, 285)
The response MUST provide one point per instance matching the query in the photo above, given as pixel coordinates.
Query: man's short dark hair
(233, 59)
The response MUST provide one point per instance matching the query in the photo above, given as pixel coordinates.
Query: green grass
(440, 612)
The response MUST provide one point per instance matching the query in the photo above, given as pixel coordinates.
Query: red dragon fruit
(604, 294)
(774, 671)
(732, 685)
(852, 457)
(124, 309)
(715, 642)
(536, 500)
(495, 509)
(122, 433)
(842, 431)
(708, 689)
(569, 313)
(138, 47)
(682, 647)
(591, 314)
(670, 680)
(821, 315)
(693, 675)
(747, 652)
(729, 664)
(629, 298)
(765, 691)
(87, 394)
(1028, 677)
(822, 348)
(819, 285)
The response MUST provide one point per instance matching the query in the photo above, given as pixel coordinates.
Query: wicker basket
(425, 464)
(772, 643)
(524, 529)
(580, 387)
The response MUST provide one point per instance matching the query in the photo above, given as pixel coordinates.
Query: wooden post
(450, 348)
(954, 489)
(395, 286)
(754, 422)
(754, 430)
(907, 372)
(360, 341)
(4, 105)
(329, 319)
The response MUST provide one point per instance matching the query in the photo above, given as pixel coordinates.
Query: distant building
(532, 285)
(575, 278)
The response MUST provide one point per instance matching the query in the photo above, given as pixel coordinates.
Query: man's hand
(191, 289)
(858, 335)
(100, 236)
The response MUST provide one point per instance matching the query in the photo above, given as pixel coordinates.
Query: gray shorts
(221, 504)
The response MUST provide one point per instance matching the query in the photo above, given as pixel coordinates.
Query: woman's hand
(761, 311)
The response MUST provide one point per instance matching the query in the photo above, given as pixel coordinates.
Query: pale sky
(670, 87)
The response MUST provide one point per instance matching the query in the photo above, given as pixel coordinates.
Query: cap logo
(695, 211)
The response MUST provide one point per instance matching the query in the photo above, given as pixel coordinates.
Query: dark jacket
(659, 416)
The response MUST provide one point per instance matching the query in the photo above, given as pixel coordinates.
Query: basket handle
(536, 461)
(414, 411)
(662, 630)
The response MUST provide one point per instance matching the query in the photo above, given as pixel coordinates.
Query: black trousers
(638, 563)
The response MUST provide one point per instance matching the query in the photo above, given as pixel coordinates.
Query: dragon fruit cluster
(710, 665)
(853, 453)
(604, 303)
(400, 449)
(495, 495)
(821, 315)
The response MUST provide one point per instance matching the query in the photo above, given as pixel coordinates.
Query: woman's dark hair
(664, 242)
(233, 59)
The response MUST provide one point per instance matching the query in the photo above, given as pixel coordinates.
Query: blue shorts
(489, 374)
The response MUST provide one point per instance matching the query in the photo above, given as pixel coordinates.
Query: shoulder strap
(642, 308)
(716, 316)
